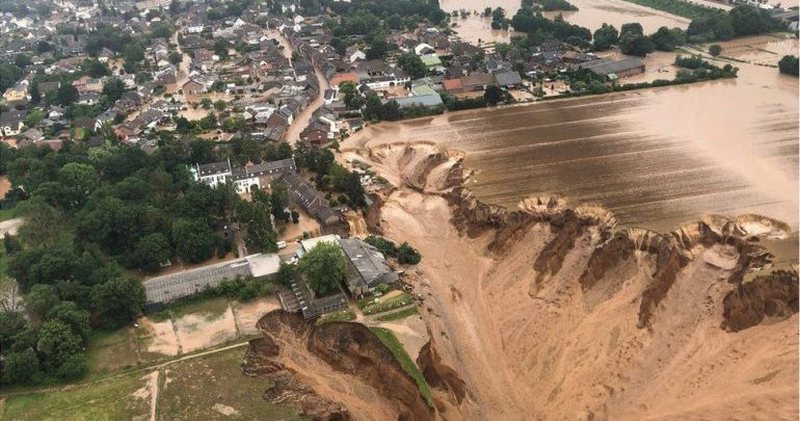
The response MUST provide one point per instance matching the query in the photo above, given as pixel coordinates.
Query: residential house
(193, 87)
(331, 219)
(11, 122)
(509, 79)
(17, 93)
(354, 54)
(477, 81)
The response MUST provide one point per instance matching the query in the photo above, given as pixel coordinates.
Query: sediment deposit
(551, 313)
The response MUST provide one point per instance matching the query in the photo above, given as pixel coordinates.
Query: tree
(323, 267)
(665, 39)
(378, 47)
(57, 343)
(113, 89)
(95, 69)
(413, 65)
(219, 105)
(257, 224)
(407, 255)
(221, 48)
(605, 37)
(66, 95)
(789, 65)
(20, 367)
(151, 251)
(286, 274)
(9, 75)
(22, 60)
(279, 200)
(79, 181)
(183, 125)
(40, 299)
(12, 323)
(118, 301)
(715, 50)
(635, 44)
(631, 28)
(175, 57)
(493, 94)
(498, 18)
(71, 315)
(194, 241)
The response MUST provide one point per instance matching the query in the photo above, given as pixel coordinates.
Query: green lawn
(387, 337)
(401, 300)
(6, 214)
(188, 390)
(111, 351)
(207, 307)
(194, 387)
(111, 399)
(398, 315)
(337, 316)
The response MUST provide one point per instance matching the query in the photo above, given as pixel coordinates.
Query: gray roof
(167, 288)
(605, 67)
(424, 100)
(265, 168)
(214, 168)
(369, 262)
(508, 78)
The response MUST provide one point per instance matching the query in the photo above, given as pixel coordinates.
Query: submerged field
(656, 157)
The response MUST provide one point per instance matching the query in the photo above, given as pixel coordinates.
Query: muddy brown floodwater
(655, 157)
(590, 14)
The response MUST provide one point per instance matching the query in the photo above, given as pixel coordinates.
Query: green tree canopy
(119, 301)
(605, 36)
(151, 251)
(789, 65)
(413, 65)
(324, 267)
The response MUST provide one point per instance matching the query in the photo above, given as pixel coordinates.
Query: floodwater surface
(590, 14)
(655, 157)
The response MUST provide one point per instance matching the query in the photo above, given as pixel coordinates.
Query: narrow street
(302, 120)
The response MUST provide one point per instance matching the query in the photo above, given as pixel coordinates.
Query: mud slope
(335, 371)
(551, 313)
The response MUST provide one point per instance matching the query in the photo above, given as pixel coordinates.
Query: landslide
(549, 312)
(333, 371)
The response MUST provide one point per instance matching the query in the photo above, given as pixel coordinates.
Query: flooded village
(419, 210)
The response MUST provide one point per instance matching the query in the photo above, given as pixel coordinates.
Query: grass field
(6, 214)
(381, 306)
(207, 307)
(679, 8)
(398, 315)
(112, 399)
(204, 388)
(337, 316)
(111, 351)
(387, 337)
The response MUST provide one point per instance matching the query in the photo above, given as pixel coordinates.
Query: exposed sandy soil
(332, 371)
(5, 186)
(411, 332)
(538, 345)
(196, 331)
(161, 338)
(247, 315)
(306, 223)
